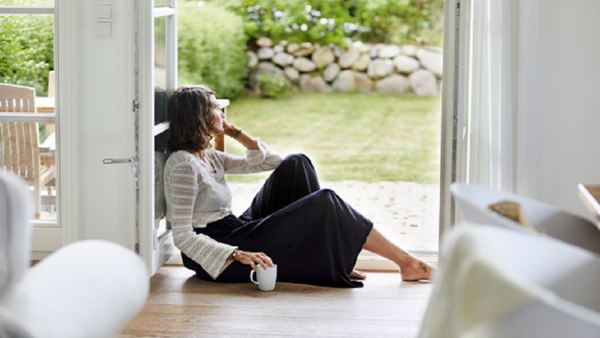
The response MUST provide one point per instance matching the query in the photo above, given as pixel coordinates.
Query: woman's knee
(296, 159)
(324, 195)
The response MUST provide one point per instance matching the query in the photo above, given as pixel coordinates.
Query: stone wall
(362, 67)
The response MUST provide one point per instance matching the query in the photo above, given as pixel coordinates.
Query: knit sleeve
(256, 160)
(183, 189)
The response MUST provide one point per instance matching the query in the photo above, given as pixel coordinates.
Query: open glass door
(454, 91)
(157, 75)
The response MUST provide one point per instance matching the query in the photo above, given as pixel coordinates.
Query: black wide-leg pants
(312, 235)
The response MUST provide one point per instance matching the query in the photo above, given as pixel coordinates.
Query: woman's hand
(253, 258)
(228, 129)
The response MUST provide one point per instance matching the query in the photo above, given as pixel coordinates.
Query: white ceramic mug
(266, 279)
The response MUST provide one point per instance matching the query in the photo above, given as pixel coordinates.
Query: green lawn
(349, 136)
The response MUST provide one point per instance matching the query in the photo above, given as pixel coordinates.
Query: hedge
(212, 48)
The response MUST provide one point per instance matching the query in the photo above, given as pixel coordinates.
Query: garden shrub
(401, 21)
(325, 21)
(272, 86)
(212, 48)
(27, 45)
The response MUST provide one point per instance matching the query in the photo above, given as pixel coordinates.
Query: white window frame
(49, 236)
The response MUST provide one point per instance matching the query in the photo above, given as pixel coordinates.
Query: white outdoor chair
(472, 202)
(86, 289)
(19, 143)
(494, 282)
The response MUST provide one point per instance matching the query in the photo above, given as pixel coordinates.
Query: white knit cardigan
(196, 197)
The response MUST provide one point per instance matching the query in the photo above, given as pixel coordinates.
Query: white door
(157, 78)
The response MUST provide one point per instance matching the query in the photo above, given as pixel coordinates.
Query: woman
(311, 233)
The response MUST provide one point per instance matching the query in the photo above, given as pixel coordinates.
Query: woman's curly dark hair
(190, 119)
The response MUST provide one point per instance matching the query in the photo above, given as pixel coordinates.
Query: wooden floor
(181, 305)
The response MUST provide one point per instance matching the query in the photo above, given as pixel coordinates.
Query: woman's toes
(357, 275)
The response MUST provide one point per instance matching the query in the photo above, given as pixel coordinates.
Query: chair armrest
(86, 289)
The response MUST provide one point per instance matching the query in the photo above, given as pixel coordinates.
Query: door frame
(154, 250)
(454, 97)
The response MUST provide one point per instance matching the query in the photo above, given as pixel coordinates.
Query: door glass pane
(160, 115)
(160, 158)
(29, 151)
(160, 3)
(160, 52)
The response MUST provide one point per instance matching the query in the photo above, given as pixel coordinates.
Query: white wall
(560, 100)
(107, 204)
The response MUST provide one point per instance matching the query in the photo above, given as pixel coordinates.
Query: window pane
(28, 150)
(160, 3)
(27, 57)
(160, 52)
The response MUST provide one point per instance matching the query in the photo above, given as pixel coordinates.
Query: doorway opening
(355, 87)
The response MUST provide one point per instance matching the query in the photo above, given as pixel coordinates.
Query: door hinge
(136, 105)
(137, 248)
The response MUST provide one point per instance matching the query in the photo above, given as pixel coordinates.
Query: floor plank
(181, 305)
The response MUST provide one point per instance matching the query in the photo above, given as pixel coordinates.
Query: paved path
(406, 212)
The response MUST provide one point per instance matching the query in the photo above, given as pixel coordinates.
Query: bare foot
(358, 275)
(416, 270)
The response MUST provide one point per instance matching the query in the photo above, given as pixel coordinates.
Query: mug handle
(252, 275)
